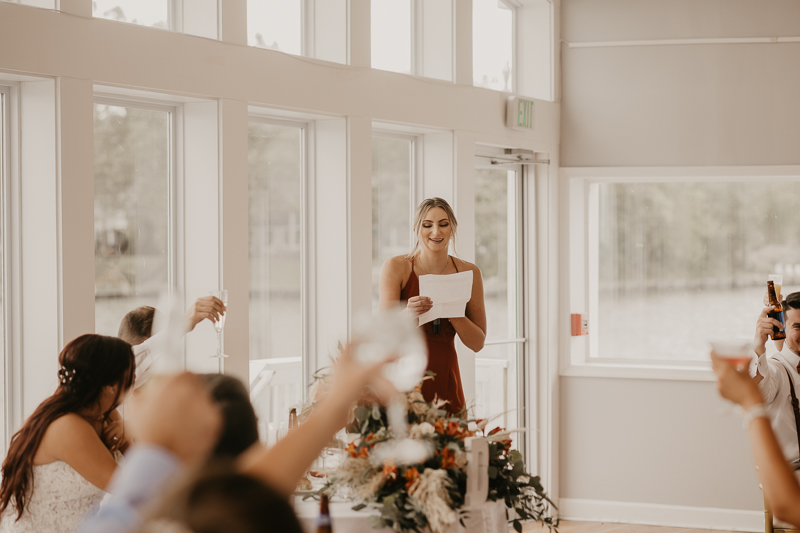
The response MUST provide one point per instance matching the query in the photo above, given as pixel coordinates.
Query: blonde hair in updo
(419, 216)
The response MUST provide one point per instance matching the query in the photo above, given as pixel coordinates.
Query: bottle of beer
(293, 419)
(324, 518)
(776, 313)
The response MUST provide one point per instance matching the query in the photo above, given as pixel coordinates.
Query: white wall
(646, 444)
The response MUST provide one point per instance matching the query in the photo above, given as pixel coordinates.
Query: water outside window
(276, 25)
(154, 13)
(492, 45)
(275, 177)
(391, 35)
(131, 210)
(684, 263)
(391, 203)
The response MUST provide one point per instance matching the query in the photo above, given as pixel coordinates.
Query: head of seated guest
(217, 499)
(137, 326)
(239, 423)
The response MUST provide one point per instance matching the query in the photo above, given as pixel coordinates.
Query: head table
(489, 517)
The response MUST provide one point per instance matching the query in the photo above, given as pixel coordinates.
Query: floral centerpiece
(411, 497)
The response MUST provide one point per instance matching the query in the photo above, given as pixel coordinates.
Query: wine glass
(393, 333)
(219, 323)
(736, 351)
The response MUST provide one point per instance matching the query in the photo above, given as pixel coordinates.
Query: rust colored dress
(442, 357)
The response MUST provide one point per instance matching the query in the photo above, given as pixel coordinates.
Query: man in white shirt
(137, 329)
(773, 373)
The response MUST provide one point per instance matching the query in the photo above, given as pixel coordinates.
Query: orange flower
(411, 475)
(495, 430)
(448, 459)
(369, 438)
(439, 426)
(356, 451)
(389, 470)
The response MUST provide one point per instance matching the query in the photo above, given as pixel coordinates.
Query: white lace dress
(61, 499)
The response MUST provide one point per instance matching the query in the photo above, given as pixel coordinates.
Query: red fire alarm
(580, 325)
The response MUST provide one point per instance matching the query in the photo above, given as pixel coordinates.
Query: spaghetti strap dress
(442, 357)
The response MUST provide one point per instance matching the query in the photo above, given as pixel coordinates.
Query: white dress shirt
(775, 389)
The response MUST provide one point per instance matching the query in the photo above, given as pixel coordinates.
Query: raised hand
(207, 307)
(764, 326)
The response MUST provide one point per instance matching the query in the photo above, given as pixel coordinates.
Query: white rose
(420, 430)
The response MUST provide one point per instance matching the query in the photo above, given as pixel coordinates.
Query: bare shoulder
(398, 266)
(466, 265)
(68, 426)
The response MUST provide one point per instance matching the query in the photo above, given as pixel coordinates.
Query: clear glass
(675, 255)
(155, 13)
(492, 45)
(275, 177)
(391, 35)
(497, 223)
(392, 176)
(219, 324)
(276, 25)
(131, 210)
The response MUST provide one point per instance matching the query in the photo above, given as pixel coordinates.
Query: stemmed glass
(219, 324)
(393, 333)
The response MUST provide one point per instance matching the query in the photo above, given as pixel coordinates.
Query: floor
(568, 526)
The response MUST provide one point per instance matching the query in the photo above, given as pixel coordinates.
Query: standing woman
(434, 227)
(62, 459)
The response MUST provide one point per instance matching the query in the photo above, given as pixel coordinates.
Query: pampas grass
(430, 493)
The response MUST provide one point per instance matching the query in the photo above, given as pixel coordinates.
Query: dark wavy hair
(87, 364)
(239, 422)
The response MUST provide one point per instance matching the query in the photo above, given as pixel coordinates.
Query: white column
(35, 366)
(359, 150)
(200, 233)
(235, 224)
(463, 43)
(535, 50)
(75, 143)
(81, 8)
(359, 45)
(435, 25)
(201, 17)
(233, 21)
(327, 26)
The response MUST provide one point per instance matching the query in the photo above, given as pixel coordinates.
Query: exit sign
(519, 113)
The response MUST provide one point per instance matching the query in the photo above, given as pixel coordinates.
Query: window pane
(275, 156)
(131, 210)
(145, 12)
(492, 45)
(673, 256)
(391, 35)
(495, 243)
(496, 226)
(276, 24)
(391, 203)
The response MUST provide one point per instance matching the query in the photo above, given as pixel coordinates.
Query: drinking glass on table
(737, 352)
(219, 323)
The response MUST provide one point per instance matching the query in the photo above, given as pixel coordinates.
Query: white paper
(449, 294)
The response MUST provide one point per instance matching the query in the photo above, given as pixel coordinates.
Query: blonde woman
(434, 228)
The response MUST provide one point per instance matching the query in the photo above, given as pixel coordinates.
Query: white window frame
(580, 359)
(487, 160)
(306, 240)
(176, 226)
(12, 408)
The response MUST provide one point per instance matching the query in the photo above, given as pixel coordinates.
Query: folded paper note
(449, 293)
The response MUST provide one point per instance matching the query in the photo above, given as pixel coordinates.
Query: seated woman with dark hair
(58, 464)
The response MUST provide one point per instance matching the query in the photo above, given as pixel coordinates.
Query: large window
(156, 13)
(674, 265)
(392, 178)
(498, 253)
(276, 25)
(493, 45)
(132, 209)
(277, 227)
(391, 35)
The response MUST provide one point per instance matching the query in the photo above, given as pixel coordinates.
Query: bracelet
(757, 411)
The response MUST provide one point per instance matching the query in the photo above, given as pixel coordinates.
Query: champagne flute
(219, 323)
(393, 333)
